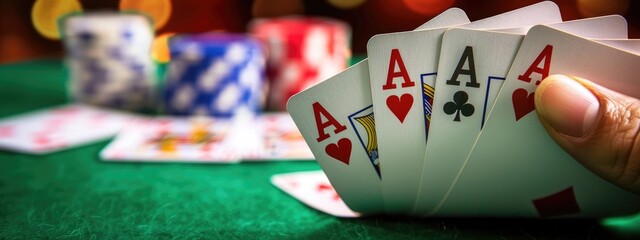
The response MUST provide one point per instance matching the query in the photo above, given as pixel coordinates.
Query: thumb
(598, 127)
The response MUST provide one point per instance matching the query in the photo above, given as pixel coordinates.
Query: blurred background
(25, 30)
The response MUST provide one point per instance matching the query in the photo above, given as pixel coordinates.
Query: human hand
(598, 127)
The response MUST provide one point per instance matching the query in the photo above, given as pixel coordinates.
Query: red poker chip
(299, 49)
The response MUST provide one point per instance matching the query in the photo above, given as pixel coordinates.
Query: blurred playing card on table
(267, 137)
(313, 189)
(281, 138)
(58, 128)
(174, 139)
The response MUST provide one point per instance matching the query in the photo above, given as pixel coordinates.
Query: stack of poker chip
(214, 74)
(108, 55)
(302, 52)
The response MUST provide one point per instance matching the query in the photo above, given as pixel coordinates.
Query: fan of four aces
(439, 121)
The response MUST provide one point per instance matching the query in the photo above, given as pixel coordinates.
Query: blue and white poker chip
(214, 75)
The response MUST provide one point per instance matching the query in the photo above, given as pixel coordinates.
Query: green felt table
(73, 194)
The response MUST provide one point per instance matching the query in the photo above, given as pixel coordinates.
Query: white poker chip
(109, 61)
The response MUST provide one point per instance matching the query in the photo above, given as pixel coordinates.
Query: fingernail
(566, 105)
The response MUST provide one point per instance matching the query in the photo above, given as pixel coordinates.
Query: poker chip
(109, 61)
(215, 75)
(302, 52)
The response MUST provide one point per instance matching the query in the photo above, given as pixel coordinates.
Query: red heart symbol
(523, 102)
(340, 151)
(400, 106)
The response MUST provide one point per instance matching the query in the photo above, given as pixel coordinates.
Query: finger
(598, 127)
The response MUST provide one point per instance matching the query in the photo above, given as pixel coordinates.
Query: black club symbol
(459, 105)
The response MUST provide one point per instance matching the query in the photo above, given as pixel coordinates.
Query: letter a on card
(399, 105)
(340, 150)
(523, 102)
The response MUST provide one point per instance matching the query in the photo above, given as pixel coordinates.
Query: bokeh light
(158, 10)
(593, 8)
(428, 7)
(276, 8)
(160, 48)
(46, 13)
(346, 4)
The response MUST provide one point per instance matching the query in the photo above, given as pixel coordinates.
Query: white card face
(450, 17)
(611, 26)
(630, 45)
(515, 168)
(473, 65)
(546, 12)
(174, 140)
(336, 119)
(403, 72)
(313, 189)
(59, 128)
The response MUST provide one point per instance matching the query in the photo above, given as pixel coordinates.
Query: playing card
(337, 122)
(515, 168)
(174, 139)
(403, 71)
(610, 26)
(281, 139)
(58, 128)
(472, 67)
(631, 45)
(328, 125)
(313, 189)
